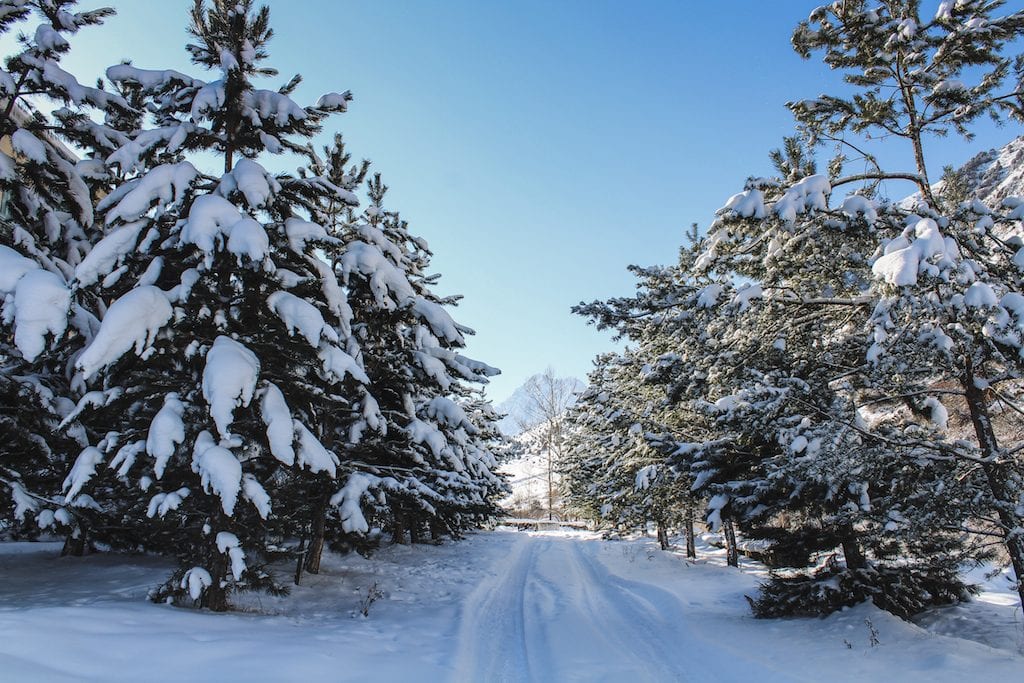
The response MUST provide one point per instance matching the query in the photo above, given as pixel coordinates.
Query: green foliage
(833, 587)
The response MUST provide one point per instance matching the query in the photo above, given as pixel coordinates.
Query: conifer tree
(46, 229)
(420, 452)
(946, 283)
(815, 309)
(271, 363)
(223, 363)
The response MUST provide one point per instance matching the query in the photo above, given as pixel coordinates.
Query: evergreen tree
(796, 314)
(223, 362)
(946, 283)
(293, 375)
(46, 229)
(423, 457)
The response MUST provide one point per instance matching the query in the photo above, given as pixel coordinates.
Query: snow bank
(593, 610)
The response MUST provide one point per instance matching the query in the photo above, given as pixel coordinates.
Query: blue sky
(540, 147)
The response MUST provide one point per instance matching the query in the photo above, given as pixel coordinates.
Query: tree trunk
(398, 530)
(435, 531)
(691, 542)
(851, 550)
(317, 534)
(997, 477)
(1011, 522)
(732, 553)
(76, 542)
(662, 535)
(301, 561)
(913, 133)
(551, 487)
(922, 170)
(215, 597)
(414, 529)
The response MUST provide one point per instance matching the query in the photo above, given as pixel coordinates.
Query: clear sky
(539, 146)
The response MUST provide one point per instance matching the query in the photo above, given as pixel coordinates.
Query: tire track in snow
(553, 611)
(678, 636)
(492, 641)
(643, 630)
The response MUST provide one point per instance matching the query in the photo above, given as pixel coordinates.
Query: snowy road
(554, 612)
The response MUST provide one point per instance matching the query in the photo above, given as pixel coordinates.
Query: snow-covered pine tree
(947, 317)
(598, 470)
(657, 380)
(760, 326)
(810, 262)
(223, 365)
(423, 459)
(46, 229)
(808, 480)
(592, 438)
(616, 466)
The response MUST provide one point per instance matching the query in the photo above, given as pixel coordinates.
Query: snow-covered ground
(500, 606)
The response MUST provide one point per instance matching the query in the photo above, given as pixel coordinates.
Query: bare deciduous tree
(547, 399)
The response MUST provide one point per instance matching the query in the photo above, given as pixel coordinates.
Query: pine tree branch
(913, 177)
(949, 452)
(923, 392)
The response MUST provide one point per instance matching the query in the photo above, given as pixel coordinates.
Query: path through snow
(555, 612)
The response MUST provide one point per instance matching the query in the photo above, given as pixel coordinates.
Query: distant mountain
(996, 174)
(516, 408)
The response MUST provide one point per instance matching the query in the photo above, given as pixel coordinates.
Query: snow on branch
(229, 380)
(131, 321)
